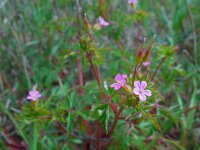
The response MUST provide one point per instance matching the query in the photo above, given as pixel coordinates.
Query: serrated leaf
(85, 116)
(149, 116)
(101, 113)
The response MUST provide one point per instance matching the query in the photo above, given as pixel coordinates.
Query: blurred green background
(38, 46)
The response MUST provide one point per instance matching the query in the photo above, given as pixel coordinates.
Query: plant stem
(97, 76)
(194, 33)
(98, 135)
(116, 119)
(93, 69)
(35, 136)
(80, 72)
(158, 67)
(5, 81)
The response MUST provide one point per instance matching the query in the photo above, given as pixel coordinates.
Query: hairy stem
(94, 69)
(158, 67)
(194, 32)
(116, 120)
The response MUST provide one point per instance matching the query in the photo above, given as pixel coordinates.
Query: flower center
(140, 91)
(34, 96)
(119, 81)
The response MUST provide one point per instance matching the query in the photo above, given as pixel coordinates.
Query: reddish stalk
(158, 67)
(98, 135)
(114, 124)
(5, 81)
(89, 132)
(80, 72)
(191, 108)
(138, 35)
(80, 76)
(116, 120)
(61, 127)
(14, 146)
(119, 44)
(96, 74)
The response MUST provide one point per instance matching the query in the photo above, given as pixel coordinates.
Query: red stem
(80, 72)
(5, 81)
(16, 147)
(116, 120)
(158, 67)
(138, 35)
(98, 135)
(96, 74)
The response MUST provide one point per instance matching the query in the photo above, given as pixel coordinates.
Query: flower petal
(137, 84)
(118, 77)
(136, 91)
(143, 85)
(147, 92)
(146, 64)
(124, 76)
(34, 98)
(31, 92)
(113, 85)
(118, 87)
(142, 97)
(29, 97)
(123, 82)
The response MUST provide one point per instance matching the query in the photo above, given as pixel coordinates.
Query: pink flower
(146, 64)
(102, 22)
(33, 95)
(133, 2)
(140, 90)
(120, 81)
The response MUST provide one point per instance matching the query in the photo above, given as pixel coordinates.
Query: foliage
(60, 48)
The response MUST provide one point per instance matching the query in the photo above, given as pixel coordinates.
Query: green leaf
(148, 115)
(101, 113)
(85, 116)
(191, 114)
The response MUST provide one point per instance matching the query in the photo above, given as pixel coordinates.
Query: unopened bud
(127, 89)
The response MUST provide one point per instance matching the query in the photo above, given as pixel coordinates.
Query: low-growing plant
(92, 84)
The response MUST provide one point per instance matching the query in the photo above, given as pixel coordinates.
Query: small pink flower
(133, 2)
(33, 95)
(140, 90)
(120, 81)
(102, 22)
(146, 64)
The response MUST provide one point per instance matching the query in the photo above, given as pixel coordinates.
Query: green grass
(39, 45)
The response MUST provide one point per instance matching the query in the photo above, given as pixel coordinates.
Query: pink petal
(105, 23)
(146, 64)
(136, 91)
(147, 92)
(118, 77)
(124, 76)
(34, 98)
(143, 85)
(118, 87)
(133, 2)
(123, 82)
(137, 84)
(113, 85)
(102, 22)
(29, 97)
(142, 97)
